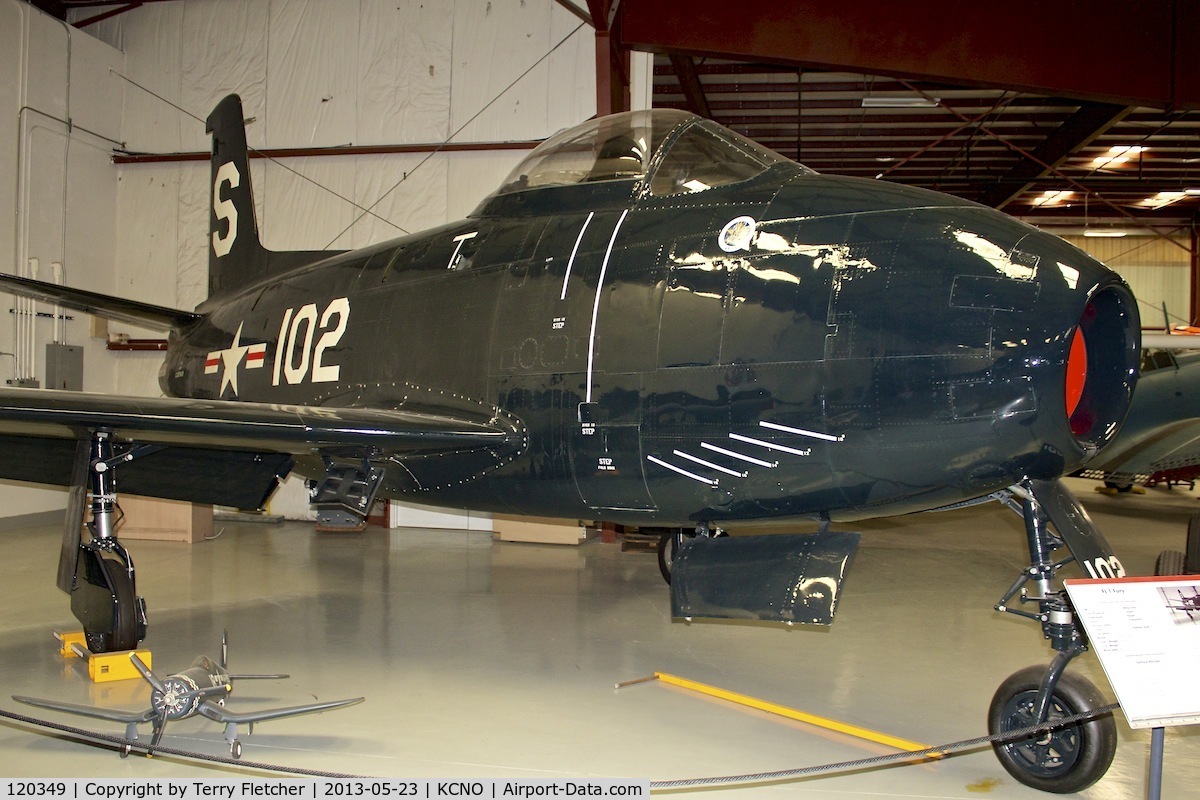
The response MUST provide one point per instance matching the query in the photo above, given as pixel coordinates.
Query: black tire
(1170, 562)
(1192, 562)
(124, 635)
(1067, 759)
(1120, 488)
(666, 553)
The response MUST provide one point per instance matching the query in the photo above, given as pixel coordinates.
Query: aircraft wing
(223, 715)
(222, 451)
(96, 712)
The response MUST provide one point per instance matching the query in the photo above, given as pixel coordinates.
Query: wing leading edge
(221, 451)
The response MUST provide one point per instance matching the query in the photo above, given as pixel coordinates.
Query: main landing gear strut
(1072, 757)
(98, 573)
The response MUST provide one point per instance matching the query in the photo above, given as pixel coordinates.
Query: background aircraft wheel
(235, 749)
(1192, 562)
(667, 544)
(1065, 760)
(124, 635)
(1118, 487)
(1170, 562)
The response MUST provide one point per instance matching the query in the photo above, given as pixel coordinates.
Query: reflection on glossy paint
(1070, 274)
(772, 275)
(995, 255)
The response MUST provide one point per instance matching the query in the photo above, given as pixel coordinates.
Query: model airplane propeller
(200, 689)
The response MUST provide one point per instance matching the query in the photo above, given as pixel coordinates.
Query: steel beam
(689, 82)
(1101, 50)
(1078, 131)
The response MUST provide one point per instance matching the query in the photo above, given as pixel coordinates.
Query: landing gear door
(606, 457)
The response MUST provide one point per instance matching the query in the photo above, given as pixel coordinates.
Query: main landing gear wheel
(124, 635)
(668, 545)
(1063, 760)
(670, 542)
(235, 749)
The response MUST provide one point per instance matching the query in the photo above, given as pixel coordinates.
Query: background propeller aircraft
(200, 689)
(652, 321)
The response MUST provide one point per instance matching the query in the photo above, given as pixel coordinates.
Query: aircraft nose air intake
(1101, 366)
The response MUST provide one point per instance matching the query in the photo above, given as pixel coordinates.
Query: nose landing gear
(1072, 757)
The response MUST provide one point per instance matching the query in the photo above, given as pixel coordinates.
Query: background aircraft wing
(1173, 446)
(223, 715)
(96, 712)
(229, 452)
(1171, 341)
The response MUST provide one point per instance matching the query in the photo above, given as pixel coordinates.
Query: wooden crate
(164, 520)
(538, 530)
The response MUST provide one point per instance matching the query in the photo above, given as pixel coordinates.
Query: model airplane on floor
(200, 689)
(652, 321)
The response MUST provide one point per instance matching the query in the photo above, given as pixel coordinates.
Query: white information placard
(1146, 632)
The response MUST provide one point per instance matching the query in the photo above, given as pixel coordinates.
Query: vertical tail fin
(236, 256)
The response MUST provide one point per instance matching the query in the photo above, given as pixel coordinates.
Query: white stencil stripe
(801, 432)
(681, 471)
(741, 456)
(769, 445)
(709, 464)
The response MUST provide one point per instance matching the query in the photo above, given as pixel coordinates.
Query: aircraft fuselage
(815, 361)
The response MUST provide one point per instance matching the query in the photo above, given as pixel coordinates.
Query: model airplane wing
(220, 714)
(112, 715)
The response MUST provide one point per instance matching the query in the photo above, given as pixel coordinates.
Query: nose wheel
(1063, 760)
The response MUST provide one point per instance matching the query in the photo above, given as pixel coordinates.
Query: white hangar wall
(60, 115)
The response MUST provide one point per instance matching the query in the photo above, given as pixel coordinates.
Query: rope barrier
(760, 777)
(845, 766)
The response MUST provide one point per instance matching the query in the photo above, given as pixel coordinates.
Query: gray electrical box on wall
(64, 367)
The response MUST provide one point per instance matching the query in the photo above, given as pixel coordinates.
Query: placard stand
(1146, 633)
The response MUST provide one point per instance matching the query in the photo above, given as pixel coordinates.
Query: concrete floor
(494, 660)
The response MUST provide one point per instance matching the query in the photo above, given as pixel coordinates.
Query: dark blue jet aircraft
(653, 321)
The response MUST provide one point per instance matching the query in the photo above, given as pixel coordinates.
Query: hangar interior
(480, 658)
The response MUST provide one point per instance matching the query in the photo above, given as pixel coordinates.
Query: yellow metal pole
(791, 713)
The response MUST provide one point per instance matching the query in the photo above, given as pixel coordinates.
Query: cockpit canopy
(676, 152)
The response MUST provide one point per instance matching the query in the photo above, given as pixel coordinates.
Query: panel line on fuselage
(591, 359)
(574, 250)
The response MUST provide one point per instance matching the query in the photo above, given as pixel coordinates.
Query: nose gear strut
(1073, 757)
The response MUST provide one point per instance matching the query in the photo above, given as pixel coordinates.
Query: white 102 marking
(1104, 567)
(295, 354)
